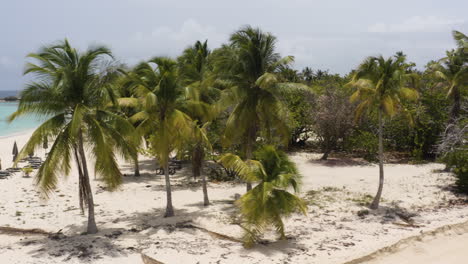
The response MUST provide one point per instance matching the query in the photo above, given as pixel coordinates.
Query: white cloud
(417, 24)
(169, 41)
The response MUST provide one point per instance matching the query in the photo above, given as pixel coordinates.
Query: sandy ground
(447, 245)
(337, 228)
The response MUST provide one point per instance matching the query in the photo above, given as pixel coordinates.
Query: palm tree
(201, 105)
(71, 90)
(251, 65)
(123, 89)
(269, 201)
(461, 40)
(453, 72)
(161, 120)
(380, 86)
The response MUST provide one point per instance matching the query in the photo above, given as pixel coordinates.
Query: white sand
(130, 219)
(447, 245)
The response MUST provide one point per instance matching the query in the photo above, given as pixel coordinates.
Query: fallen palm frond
(18, 231)
(408, 225)
(211, 233)
(149, 260)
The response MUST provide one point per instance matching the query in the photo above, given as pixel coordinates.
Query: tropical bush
(458, 161)
(453, 150)
(269, 201)
(364, 143)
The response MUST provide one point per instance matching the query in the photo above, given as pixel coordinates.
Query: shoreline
(28, 131)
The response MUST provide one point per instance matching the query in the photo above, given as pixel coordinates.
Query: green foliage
(27, 171)
(364, 142)
(70, 89)
(250, 65)
(301, 111)
(269, 201)
(458, 161)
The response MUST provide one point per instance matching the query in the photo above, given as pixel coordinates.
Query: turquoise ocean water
(19, 125)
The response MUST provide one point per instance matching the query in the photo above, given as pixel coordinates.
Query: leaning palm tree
(380, 86)
(201, 106)
(71, 90)
(269, 201)
(250, 64)
(161, 120)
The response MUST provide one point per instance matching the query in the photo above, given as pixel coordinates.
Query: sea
(19, 125)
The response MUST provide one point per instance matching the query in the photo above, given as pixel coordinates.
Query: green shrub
(364, 142)
(458, 162)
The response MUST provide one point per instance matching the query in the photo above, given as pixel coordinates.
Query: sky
(334, 35)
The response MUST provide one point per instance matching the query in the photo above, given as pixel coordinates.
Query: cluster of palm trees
(99, 109)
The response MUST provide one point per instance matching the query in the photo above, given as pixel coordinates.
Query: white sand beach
(131, 219)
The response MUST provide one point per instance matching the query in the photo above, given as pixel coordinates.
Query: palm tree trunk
(376, 201)
(197, 164)
(197, 159)
(248, 155)
(81, 191)
(92, 228)
(251, 137)
(169, 208)
(137, 167)
(206, 201)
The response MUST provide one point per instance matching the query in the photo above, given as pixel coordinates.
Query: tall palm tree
(161, 96)
(453, 72)
(71, 90)
(269, 201)
(251, 65)
(201, 95)
(380, 86)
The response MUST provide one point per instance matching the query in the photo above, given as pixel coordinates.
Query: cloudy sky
(332, 34)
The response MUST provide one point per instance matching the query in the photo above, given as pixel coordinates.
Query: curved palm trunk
(169, 208)
(92, 228)
(376, 201)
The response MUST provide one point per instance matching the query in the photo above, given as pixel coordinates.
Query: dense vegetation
(246, 100)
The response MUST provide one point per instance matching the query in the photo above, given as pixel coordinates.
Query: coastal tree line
(244, 106)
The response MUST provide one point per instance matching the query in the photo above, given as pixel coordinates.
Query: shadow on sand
(340, 162)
